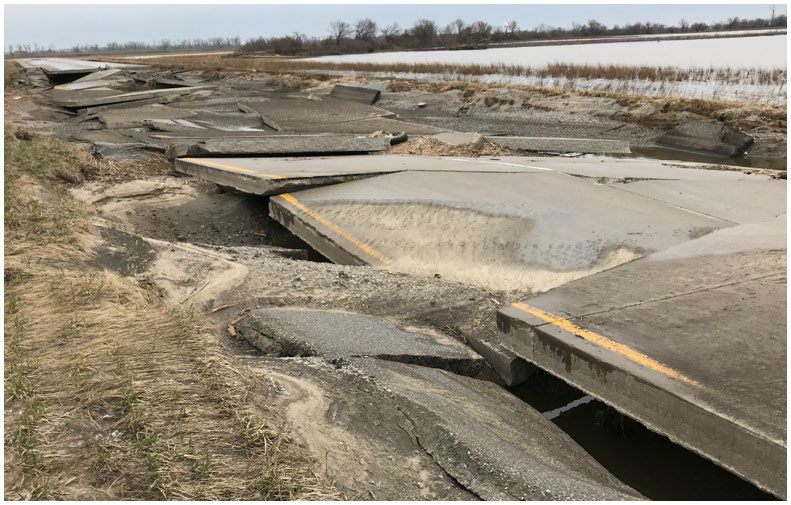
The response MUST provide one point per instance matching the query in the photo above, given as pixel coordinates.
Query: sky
(65, 25)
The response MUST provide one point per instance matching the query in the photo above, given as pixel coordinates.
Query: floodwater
(767, 52)
(647, 462)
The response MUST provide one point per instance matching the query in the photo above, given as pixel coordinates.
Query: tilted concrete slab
(329, 115)
(271, 176)
(600, 168)
(76, 86)
(134, 117)
(59, 66)
(90, 98)
(342, 335)
(691, 341)
(528, 231)
(277, 145)
(100, 75)
(562, 145)
(491, 442)
(358, 94)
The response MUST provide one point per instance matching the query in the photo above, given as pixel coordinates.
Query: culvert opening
(648, 462)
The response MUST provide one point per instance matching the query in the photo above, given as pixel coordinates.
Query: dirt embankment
(111, 393)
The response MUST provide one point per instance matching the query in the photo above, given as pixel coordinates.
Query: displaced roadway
(669, 280)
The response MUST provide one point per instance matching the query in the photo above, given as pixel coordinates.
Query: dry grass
(110, 394)
(552, 70)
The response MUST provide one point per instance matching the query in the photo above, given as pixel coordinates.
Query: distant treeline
(365, 36)
(211, 44)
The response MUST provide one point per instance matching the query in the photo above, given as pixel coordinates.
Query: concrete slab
(604, 169)
(691, 341)
(276, 145)
(528, 231)
(172, 125)
(75, 86)
(734, 201)
(271, 176)
(492, 443)
(62, 66)
(357, 94)
(298, 113)
(100, 75)
(125, 105)
(342, 335)
(134, 117)
(562, 145)
(89, 98)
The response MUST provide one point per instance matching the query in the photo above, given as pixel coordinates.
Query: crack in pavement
(573, 317)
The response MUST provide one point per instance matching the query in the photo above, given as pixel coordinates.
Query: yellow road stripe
(337, 229)
(602, 341)
(229, 167)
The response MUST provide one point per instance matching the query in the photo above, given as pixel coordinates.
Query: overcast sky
(66, 25)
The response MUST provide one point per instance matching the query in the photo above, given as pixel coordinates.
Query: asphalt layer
(338, 335)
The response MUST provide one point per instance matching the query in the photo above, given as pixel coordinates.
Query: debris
(562, 145)
(707, 137)
(358, 94)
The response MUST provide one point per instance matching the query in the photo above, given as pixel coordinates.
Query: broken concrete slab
(357, 94)
(76, 86)
(100, 75)
(656, 339)
(172, 125)
(107, 136)
(89, 98)
(280, 145)
(66, 66)
(530, 231)
(338, 335)
(134, 117)
(300, 114)
(121, 151)
(707, 137)
(491, 442)
(562, 145)
(271, 176)
(125, 105)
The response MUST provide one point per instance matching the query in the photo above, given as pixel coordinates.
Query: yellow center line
(229, 167)
(337, 229)
(602, 341)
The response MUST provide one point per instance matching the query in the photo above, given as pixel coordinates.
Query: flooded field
(743, 53)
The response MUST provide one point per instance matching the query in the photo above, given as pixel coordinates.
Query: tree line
(209, 44)
(365, 35)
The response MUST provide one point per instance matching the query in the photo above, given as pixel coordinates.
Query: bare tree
(511, 27)
(480, 30)
(772, 20)
(425, 31)
(364, 29)
(339, 30)
(390, 32)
